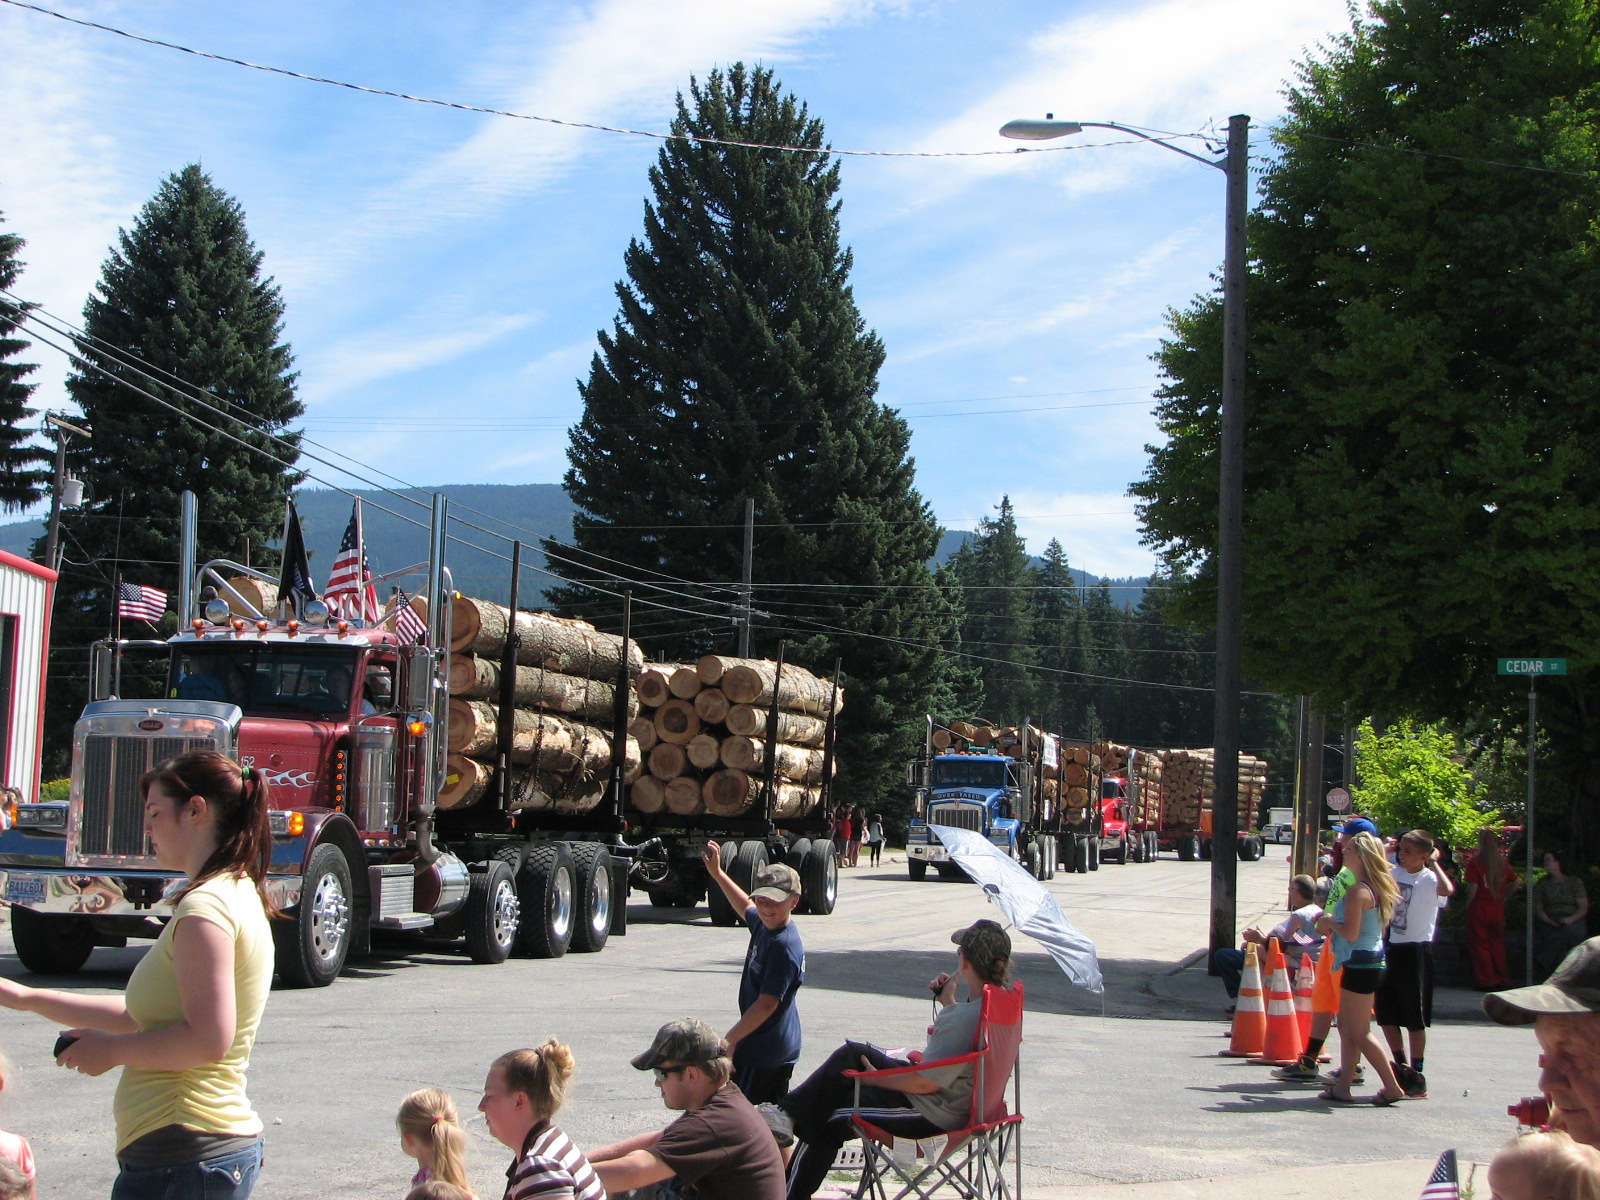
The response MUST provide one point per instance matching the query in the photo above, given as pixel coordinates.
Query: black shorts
(1405, 1000)
(1361, 980)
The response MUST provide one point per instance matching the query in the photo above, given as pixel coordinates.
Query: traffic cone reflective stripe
(1305, 983)
(1250, 1013)
(1283, 1043)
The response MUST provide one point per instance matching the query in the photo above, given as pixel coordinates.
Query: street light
(1235, 165)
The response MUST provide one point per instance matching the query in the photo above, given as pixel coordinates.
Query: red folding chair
(974, 1159)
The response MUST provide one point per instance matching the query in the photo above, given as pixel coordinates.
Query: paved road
(1128, 1090)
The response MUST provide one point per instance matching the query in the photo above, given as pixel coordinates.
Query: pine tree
(959, 691)
(739, 367)
(994, 571)
(1055, 612)
(182, 293)
(21, 480)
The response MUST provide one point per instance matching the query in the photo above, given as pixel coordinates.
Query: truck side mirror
(416, 693)
(99, 671)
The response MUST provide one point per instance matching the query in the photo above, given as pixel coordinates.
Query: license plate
(25, 889)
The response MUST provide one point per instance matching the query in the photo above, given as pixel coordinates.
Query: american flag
(1443, 1184)
(140, 603)
(349, 594)
(408, 624)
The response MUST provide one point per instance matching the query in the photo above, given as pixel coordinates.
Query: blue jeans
(1230, 966)
(226, 1177)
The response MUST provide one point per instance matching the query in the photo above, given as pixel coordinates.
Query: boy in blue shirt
(766, 1038)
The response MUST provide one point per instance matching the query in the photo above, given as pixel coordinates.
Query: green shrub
(56, 790)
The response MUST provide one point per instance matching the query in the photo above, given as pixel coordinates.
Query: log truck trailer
(359, 843)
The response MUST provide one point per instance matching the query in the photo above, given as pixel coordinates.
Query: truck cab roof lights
(343, 627)
(198, 624)
(238, 624)
(263, 626)
(294, 628)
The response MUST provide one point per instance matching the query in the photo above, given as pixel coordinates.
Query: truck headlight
(286, 824)
(42, 816)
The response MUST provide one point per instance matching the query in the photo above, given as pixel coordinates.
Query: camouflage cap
(986, 945)
(1573, 989)
(776, 881)
(686, 1040)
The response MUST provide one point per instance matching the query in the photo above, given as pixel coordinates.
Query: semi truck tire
(1135, 845)
(795, 857)
(1094, 853)
(592, 866)
(1154, 850)
(820, 878)
(51, 945)
(545, 889)
(1188, 848)
(1122, 851)
(1205, 849)
(716, 903)
(493, 913)
(917, 868)
(1050, 856)
(1034, 861)
(311, 945)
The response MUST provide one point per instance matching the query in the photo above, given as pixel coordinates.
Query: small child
(438, 1189)
(1545, 1166)
(431, 1133)
(15, 1156)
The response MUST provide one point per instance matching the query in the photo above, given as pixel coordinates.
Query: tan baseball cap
(776, 881)
(1574, 988)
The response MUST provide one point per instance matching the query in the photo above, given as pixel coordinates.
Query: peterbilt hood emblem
(150, 725)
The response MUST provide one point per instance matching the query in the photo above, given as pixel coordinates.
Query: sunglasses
(661, 1073)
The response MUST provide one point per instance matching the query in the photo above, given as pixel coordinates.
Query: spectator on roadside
(858, 830)
(184, 1028)
(875, 840)
(1561, 906)
(1489, 883)
(15, 1154)
(1545, 1166)
(720, 1146)
(843, 837)
(431, 1133)
(1296, 933)
(1405, 997)
(1354, 927)
(1327, 996)
(1565, 1014)
(916, 1104)
(522, 1092)
(438, 1189)
(766, 1038)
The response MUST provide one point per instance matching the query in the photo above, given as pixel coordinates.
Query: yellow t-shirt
(208, 1098)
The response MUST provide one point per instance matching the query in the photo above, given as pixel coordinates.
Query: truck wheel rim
(832, 886)
(561, 904)
(505, 913)
(330, 918)
(600, 911)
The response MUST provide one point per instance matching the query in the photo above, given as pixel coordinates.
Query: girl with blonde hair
(430, 1132)
(1355, 929)
(524, 1089)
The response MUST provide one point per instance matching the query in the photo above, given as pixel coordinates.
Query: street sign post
(1338, 799)
(1532, 668)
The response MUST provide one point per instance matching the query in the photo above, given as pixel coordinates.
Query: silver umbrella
(1026, 903)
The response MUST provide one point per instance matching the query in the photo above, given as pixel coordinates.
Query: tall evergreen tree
(994, 571)
(21, 480)
(739, 367)
(959, 691)
(1055, 610)
(183, 295)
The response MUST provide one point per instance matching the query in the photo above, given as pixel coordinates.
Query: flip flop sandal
(1382, 1101)
(1333, 1098)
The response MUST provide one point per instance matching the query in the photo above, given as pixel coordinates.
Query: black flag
(295, 580)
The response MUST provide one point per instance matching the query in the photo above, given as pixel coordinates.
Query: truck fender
(331, 826)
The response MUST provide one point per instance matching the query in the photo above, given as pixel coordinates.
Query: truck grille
(112, 820)
(961, 816)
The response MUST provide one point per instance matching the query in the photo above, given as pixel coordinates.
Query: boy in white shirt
(1405, 997)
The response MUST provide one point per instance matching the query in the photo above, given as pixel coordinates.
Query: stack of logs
(564, 696)
(1188, 781)
(1144, 784)
(1081, 769)
(703, 729)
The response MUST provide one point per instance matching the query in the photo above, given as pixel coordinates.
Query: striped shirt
(550, 1167)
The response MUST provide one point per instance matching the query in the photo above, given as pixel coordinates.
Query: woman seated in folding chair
(816, 1115)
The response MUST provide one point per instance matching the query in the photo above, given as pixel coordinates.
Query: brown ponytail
(238, 795)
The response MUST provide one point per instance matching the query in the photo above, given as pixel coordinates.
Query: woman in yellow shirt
(183, 1030)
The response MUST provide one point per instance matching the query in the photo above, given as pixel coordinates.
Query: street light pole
(1235, 165)
(52, 541)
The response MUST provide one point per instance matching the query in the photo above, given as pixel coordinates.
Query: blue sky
(445, 273)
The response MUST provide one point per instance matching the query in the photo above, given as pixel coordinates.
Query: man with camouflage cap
(719, 1149)
(766, 1038)
(816, 1115)
(1565, 1014)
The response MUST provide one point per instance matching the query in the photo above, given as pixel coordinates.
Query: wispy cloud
(384, 353)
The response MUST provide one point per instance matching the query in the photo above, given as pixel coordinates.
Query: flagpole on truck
(116, 638)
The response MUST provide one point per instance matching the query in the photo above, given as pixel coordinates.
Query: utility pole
(62, 430)
(745, 592)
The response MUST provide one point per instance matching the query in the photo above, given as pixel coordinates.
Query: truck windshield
(969, 772)
(268, 679)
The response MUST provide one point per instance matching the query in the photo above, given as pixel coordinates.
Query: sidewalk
(1392, 1179)
(1189, 984)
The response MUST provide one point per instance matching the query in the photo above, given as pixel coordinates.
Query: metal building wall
(26, 596)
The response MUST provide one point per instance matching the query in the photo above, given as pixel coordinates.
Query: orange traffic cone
(1283, 1042)
(1305, 983)
(1250, 1013)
